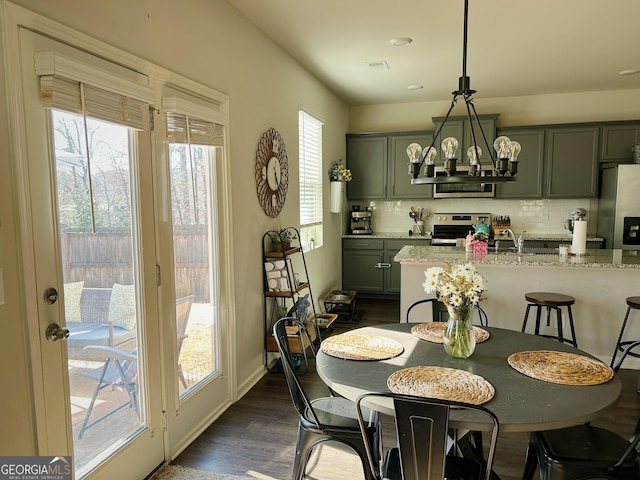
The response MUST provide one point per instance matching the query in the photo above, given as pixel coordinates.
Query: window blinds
(73, 96)
(310, 143)
(184, 129)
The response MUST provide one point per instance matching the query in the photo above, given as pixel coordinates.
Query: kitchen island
(600, 282)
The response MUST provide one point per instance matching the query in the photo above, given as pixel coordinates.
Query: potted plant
(281, 239)
(338, 176)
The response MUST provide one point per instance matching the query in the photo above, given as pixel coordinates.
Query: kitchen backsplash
(535, 216)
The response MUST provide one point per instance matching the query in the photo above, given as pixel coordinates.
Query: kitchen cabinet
(368, 266)
(401, 186)
(460, 128)
(530, 165)
(617, 142)
(367, 159)
(362, 261)
(379, 166)
(569, 170)
(571, 165)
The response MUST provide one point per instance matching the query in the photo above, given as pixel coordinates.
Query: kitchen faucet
(519, 243)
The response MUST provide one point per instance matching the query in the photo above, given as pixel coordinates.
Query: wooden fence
(105, 258)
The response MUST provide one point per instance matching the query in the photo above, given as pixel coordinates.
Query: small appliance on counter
(577, 214)
(360, 223)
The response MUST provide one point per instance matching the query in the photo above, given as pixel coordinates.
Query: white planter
(337, 194)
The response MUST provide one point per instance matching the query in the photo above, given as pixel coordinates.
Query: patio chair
(422, 427)
(584, 451)
(119, 370)
(326, 418)
(183, 309)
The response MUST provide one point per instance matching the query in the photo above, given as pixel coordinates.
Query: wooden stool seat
(548, 298)
(633, 303)
(551, 301)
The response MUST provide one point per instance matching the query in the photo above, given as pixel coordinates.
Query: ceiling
(515, 47)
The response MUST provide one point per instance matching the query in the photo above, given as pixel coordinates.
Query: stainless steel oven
(449, 228)
(463, 190)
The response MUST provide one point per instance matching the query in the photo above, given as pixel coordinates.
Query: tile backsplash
(542, 216)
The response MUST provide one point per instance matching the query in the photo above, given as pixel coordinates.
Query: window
(194, 146)
(310, 137)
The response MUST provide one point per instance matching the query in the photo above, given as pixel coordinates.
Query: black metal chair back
(439, 312)
(301, 401)
(422, 426)
(325, 418)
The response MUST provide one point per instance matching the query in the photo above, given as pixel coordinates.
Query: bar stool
(632, 303)
(551, 301)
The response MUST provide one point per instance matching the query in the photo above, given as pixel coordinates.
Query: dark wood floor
(257, 435)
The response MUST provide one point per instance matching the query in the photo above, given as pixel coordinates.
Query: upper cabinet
(379, 166)
(571, 165)
(556, 161)
(617, 142)
(459, 128)
(367, 159)
(401, 186)
(530, 164)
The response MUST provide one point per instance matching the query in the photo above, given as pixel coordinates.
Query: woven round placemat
(442, 383)
(561, 367)
(361, 346)
(432, 332)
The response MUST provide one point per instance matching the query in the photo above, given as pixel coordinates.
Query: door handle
(55, 332)
(382, 265)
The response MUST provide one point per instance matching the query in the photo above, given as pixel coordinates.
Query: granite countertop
(553, 237)
(390, 236)
(456, 255)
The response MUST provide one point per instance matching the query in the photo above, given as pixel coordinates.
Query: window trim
(310, 175)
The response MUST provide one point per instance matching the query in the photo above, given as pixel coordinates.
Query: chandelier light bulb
(429, 155)
(413, 152)
(450, 147)
(515, 151)
(473, 156)
(502, 146)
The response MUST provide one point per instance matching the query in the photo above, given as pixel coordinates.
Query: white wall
(210, 42)
(514, 111)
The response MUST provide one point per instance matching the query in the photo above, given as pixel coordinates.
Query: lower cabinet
(368, 266)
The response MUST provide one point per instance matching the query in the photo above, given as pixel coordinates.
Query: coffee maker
(360, 221)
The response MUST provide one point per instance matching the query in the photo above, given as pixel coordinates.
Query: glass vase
(459, 339)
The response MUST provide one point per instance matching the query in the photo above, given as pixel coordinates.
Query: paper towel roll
(579, 244)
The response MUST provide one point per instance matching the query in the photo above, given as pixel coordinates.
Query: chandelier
(504, 165)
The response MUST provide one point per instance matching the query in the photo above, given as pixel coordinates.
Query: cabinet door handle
(382, 265)
(362, 244)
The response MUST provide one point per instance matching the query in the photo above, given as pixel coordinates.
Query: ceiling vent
(379, 65)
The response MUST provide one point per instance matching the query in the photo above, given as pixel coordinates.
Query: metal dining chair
(325, 418)
(422, 427)
(439, 312)
(584, 451)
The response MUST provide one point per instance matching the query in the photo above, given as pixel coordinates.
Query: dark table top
(521, 403)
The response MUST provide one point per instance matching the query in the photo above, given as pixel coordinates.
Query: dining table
(521, 403)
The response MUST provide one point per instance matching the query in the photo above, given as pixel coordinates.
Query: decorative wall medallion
(272, 172)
